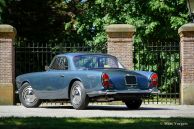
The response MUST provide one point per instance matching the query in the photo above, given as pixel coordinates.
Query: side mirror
(46, 67)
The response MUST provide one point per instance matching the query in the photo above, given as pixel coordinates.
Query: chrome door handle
(62, 76)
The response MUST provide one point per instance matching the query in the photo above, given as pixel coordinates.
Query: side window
(63, 64)
(55, 64)
(60, 63)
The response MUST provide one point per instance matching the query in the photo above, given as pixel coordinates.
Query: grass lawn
(96, 123)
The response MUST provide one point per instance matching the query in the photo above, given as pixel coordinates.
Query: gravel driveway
(163, 111)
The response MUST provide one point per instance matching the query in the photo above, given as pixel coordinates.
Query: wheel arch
(70, 85)
(25, 81)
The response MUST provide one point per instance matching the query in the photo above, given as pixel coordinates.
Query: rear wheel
(27, 96)
(78, 97)
(133, 103)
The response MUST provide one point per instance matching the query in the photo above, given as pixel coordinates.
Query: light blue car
(85, 77)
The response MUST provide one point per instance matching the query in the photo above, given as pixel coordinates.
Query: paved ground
(163, 111)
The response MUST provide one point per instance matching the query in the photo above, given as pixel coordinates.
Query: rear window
(95, 61)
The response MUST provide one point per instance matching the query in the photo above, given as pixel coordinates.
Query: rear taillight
(105, 80)
(154, 80)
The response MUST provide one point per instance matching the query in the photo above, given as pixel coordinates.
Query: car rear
(118, 83)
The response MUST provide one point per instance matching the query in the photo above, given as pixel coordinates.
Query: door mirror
(46, 67)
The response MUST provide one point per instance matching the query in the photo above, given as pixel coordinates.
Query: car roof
(80, 54)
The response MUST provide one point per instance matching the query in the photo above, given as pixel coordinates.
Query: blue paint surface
(56, 84)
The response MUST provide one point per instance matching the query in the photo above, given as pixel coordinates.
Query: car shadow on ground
(108, 108)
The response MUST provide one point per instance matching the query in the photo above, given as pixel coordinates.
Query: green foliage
(84, 21)
(37, 20)
(158, 19)
(155, 20)
(2, 6)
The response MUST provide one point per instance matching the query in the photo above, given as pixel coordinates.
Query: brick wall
(187, 57)
(123, 50)
(6, 75)
(7, 64)
(120, 43)
(186, 33)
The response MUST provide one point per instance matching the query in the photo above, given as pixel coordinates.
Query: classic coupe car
(84, 77)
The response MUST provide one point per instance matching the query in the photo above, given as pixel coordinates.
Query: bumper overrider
(130, 92)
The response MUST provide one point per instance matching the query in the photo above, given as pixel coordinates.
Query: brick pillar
(186, 33)
(120, 43)
(7, 65)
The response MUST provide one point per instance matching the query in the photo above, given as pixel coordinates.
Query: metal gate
(156, 56)
(163, 58)
(32, 57)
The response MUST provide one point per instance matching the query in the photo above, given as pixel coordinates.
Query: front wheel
(27, 96)
(78, 97)
(133, 104)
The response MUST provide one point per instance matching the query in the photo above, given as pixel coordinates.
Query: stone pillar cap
(120, 28)
(5, 28)
(186, 27)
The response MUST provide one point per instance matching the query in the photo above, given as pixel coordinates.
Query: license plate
(130, 80)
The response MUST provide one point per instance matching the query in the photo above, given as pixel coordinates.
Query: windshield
(96, 62)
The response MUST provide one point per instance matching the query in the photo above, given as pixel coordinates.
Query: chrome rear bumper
(126, 92)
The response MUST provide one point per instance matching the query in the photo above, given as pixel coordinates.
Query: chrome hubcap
(76, 95)
(28, 95)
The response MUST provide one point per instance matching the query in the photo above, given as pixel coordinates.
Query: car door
(55, 84)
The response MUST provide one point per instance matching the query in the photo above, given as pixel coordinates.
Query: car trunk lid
(122, 79)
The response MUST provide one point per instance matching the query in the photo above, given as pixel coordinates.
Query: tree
(157, 21)
(152, 18)
(37, 20)
(84, 21)
(2, 6)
